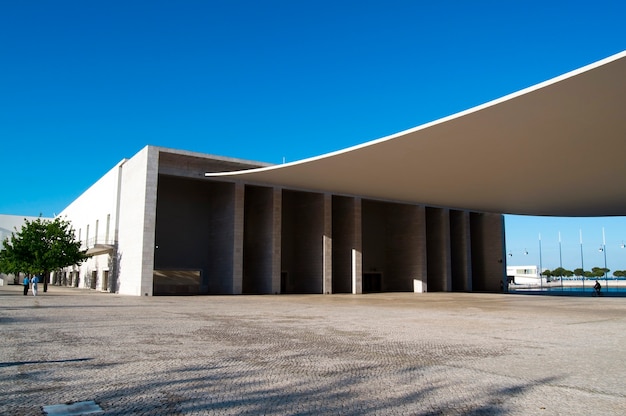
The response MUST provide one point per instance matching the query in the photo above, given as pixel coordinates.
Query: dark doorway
(284, 276)
(105, 281)
(372, 282)
(94, 279)
(176, 282)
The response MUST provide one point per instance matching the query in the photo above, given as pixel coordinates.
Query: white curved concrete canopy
(557, 148)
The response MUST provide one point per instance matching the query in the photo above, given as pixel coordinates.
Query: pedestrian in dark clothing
(597, 287)
(25, 283)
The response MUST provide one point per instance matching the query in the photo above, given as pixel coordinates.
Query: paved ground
(383, 354)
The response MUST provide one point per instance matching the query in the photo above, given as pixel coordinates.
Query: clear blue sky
(84, 84)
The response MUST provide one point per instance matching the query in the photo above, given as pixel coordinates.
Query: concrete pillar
(302, 242)
(148, 220)
(401, 248)
(420, 278)
(343, 241)
(277, 205)
(357, 250)
(438, 249)
(488, 252)
(461, 251)
(260, 233)
(238, 222)
(327, 246)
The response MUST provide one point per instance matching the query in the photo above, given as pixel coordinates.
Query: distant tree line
(595, 273)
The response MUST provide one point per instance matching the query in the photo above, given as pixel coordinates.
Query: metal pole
(582, 263)
(540, 265)
(604, 251)
(560, 252)
(560, 259)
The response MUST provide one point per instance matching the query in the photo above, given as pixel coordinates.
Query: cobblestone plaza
(375, 354)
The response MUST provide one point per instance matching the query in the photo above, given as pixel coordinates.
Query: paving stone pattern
(377, 354)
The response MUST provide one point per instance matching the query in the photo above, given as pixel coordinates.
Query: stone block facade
(177, 232)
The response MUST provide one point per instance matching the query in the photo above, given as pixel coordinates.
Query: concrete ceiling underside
(557, 149)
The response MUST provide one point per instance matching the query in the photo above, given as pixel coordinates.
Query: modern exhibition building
(420, 210)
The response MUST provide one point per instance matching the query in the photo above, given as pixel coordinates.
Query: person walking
(35, 280)
(25, 283)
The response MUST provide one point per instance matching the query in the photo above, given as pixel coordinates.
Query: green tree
(547, 273)
(579, 272)
(40, 247)
(8, 263)
(599, 271)
(560, 272)
(619, 273)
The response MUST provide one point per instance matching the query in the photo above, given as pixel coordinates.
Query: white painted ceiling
(557, 148)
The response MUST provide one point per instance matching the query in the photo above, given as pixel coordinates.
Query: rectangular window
(106, 236)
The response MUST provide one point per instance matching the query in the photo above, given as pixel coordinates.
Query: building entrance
(372, 282)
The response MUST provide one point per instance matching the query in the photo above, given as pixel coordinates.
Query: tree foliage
(599, 271)
(596, 272)
(41, 246)
(561, 272)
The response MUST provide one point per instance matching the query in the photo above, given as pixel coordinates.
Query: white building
(155, 224)
(524, 275)
(421, 210)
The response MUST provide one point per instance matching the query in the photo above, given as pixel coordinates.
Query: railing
(92, 242)
(610, 287)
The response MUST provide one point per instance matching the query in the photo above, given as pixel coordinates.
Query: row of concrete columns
(272, 240)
